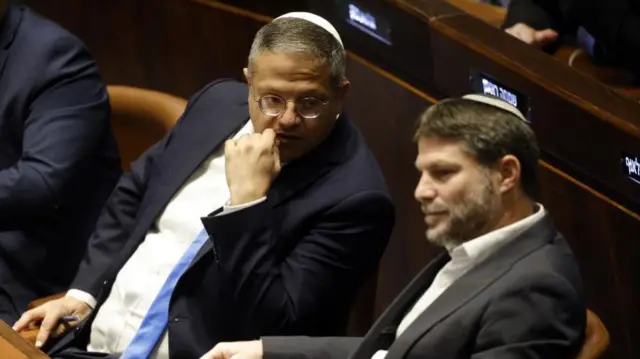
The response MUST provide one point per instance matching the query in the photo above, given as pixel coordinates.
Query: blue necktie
(156, 319)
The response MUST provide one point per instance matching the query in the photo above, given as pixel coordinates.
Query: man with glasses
(250, 218)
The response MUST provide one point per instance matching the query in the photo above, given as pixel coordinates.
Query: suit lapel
(472, 283)
(8, 29)
(382, 333)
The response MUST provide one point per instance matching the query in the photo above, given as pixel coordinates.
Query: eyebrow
(437, 163)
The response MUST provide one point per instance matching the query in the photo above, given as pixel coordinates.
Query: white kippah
(495, 102)
(316, 20)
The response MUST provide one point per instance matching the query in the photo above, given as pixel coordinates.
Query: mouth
(429, 216)
(434, 213)
(283, 137)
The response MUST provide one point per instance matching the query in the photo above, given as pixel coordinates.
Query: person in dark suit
(508, 285)
(288, 202)
(58, 158)
(608, 30)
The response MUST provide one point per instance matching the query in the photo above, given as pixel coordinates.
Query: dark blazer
(58, 158)
(615, 24)
(291, 264)
(524, 301)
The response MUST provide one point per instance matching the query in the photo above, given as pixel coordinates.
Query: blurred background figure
(58, 158)
(609, 31)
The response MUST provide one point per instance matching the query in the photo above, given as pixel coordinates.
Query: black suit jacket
(524, 301)
(289, 265)
(615, 24)
(58, 159)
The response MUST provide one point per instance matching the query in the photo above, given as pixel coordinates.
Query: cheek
(321, 127)
(454, 194)
(260, 121)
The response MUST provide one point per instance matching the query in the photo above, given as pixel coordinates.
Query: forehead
(289, 73)
(433, 150)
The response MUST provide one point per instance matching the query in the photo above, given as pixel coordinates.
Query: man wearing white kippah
(262, 212)
(507, 285)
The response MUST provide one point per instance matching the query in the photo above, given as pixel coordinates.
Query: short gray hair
(298, 36)
(488, 132)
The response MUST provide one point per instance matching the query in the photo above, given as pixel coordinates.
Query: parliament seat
(140, 118)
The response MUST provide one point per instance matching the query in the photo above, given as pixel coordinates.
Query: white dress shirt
(463, 258)
(141, 278)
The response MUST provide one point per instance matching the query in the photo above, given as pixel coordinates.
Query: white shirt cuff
(380, 354)
(230, 209)
(83, 296)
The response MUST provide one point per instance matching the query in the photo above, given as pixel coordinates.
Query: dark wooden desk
(14, 347)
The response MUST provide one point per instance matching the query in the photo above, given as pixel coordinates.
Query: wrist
(239, 196)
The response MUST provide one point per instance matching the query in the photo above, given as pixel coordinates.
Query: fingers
(269, 137)
(276, 159)
(229, 145)
(545, 37)
(523, 32)
(264, 140)
(49, 323)
(217, 352)
(29, 317)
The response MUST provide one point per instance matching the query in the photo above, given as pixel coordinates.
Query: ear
(344, 88)
(247, 75)
(510, 170)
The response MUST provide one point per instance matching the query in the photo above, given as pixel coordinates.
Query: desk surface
(12, 346)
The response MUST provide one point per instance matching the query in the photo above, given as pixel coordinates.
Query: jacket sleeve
(539, 14)
(309, 348)
(540, 317)
(281, 291)
(67, 117)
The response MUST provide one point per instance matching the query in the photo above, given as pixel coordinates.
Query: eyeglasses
(307, 107)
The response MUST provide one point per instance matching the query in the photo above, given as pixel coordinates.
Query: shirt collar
(481, 247)
(247, 129)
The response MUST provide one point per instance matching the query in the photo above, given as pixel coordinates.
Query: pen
(69, 318)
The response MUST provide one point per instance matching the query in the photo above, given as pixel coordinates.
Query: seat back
(596, 338)
(140, 118)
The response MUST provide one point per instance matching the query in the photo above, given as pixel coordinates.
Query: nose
(289, 116)
(425, 191)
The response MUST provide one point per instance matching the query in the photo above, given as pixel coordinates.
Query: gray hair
(298, 36)
(488, 132)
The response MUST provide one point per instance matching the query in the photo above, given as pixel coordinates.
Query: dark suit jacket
(58, 159)
(615, 24)
(276, 267)
(524, 301)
